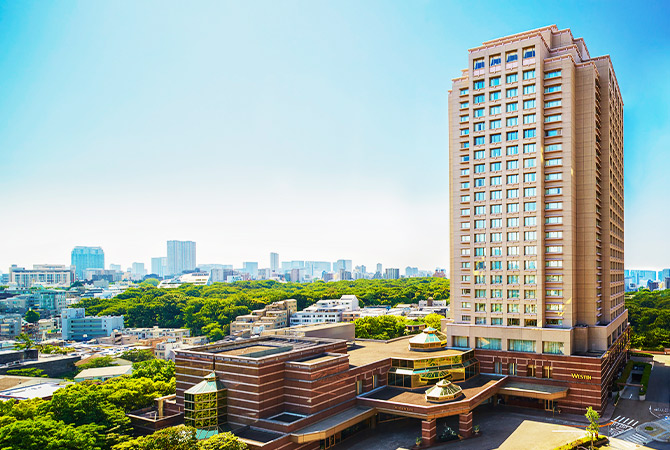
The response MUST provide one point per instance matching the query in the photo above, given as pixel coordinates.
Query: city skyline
(341, 111)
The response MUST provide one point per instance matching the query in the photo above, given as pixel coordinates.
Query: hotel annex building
(538, 318)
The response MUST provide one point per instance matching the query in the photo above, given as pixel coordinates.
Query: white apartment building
(328, 311)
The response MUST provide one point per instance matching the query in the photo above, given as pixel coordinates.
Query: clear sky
(316, 129)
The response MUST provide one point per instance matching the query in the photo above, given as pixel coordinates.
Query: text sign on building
(579, 376)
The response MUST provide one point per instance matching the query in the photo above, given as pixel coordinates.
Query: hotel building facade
(536, 189)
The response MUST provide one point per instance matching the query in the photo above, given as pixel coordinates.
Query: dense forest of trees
(649, 316)
(209, 310)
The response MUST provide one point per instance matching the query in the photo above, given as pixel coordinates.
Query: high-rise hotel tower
(536, 182)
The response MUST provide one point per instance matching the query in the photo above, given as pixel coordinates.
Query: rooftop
(42, 390)
(104, 372)
(366, 352)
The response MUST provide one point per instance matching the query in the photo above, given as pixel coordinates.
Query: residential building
(391, 273)
(43, 275)
(172, 334)
(180, 257)
(10, 325)
(103, 373)
(159, 266)
(83, 258)
(79, 327)
(138, 271)
(273, 316)
(194, 278)
(274, 262)
(536, 188)
(325, 311)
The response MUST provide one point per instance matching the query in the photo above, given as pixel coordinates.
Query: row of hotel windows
(509, 108)
(511, 150)
(528, 250)
(514, 207)
(512, 265)
(512, 307)
(510, 78)
(509, 179)
(510, 93)
(512, 279)
(510, 122)
(513, 322)
(512, 236)
(514, 293)
(513, 345)
(510, 57)
(528, 163)
(511, 136)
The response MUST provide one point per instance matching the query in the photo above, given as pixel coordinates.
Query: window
(480, 168)
(512, 279)
(512, 121)
(495, 124)
(529, 104)
(496, 223)
(511, 107)
(495, 60)
(530, 235)
(553, 162)
(465, 278)
(479, 140)
(479, 154)
(530, 221)
(529, 192)
(513, 322)
(552, 133)
(478, 98)
(465, 145)
(552, 74)
(553, 205)
(513, 307)
(479, 210)
(513, 92)
(494, 81)
(480, 196)
(530, 250)
(465, 238)
(529, 279)
(552, 118)
(479, 126)
(512, 179)
(512, 150)
(496, 195)
(495, 167)
(465, 118)
(528, 163)
(480, 307)
(554, 249)
(479, 84)
(512, 207)
(465, 171)
(513, 193)
(465, 212)
(478, 112)
(465, 318)
(359, 387)
(529, 118)
(493, 96)
(496, 209)
(514, 164)
(529, 294)
(480, 293)
(496, 321)
(553, 234)
(553, 191)
(554, 322)
(464, 105)
(528, 52)
(528, 177)
(512, 236)
(513, 251)
(512, 135)
(512, 77)
(480, 224)
(496, 293)
(531, 323)
(465, 158)
(479, 182)
(554, 348)
(553, 147)
(554, 278)
(461, 341)
(478, 63)
(530, 206)
(465, 185)
(465, 132)
(464, 91)
(465, 265)
(530, 89)
(495, 138)
(496, 237)
(465, 225)
(519, 345)
(550, 89)
(494, 110)
(529, 148)
(553, 307)
(529, 265)
(465, 304)
(480, 320)
(488, 343)
(554, 264)
(496, 181)
(552, 103)
(495, 152)
(529, 133)
(529, 74)
(480, 237)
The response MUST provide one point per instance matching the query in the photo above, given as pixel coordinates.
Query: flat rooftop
(259, 347)
(366, 352)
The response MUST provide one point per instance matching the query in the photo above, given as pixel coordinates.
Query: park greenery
(649, 316)
(390, 327)
(208, 310)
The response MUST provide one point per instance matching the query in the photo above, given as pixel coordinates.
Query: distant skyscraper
(379, 267)
(83, 258)
(115, 267)
(159, 266)
(251, 268)
(392, 274)
(342, 264)
(180, 256)
(138, 271)
(274, 262)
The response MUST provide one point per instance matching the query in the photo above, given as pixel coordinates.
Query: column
(465, 425)
(429, 432)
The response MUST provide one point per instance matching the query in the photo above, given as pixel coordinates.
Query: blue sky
(315, 129)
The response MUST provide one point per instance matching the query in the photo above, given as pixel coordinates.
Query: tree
(31, 372)
(434, 320)
(32, 316)
(172, 438)
(23, 342)
(136, 355)
(223, 441)
(93, 363)
(150, 282)
(154, 369)
(44, 433)
(592, 430)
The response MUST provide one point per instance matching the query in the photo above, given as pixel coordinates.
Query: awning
(534, 390)
(326, 427)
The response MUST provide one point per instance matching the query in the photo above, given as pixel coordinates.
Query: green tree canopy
(223, 441)
(23, 342)
(32, 316)
(434, 320)
(136, 355)
(172, 438)
(154, 369)
(101, 361)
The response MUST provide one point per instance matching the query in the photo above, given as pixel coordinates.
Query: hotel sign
(579, 376)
